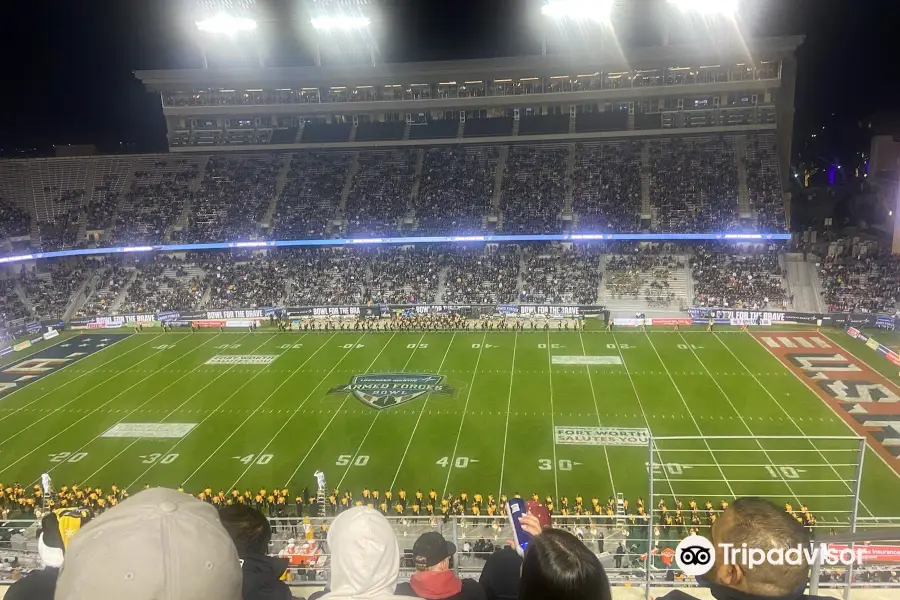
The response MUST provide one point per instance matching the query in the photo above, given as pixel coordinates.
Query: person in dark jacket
(433, 578)
(251, 533)
(500, 575)
(760, 524)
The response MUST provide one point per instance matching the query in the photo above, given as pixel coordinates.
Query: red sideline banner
(853, 332)
(872, 554)
(96, 325)
(687, 321)
(208, 323)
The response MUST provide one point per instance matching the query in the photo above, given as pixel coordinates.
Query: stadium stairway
(740, 157)
(802, 280)
(81, 296)
(628, 306)
(646, 207)
(348, 185)
(182, 221)
(23, 297)
(442, 284)
(417, 180)
(570, 183)
(126, 186)
(498, 179)
(120, 298)
(279, 187)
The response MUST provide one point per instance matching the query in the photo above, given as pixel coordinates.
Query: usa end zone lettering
(864, 399)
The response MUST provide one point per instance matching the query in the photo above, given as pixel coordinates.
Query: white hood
(365, 557)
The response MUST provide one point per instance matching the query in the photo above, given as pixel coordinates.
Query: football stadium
(435, 288)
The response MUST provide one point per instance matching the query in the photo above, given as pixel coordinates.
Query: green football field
(508, 404)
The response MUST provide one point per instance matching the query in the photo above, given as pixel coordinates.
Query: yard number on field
(163, 346)
(71, 457)
(252, 459)
(290, 346)
(228, 346)
(163, 459)
(783, 472)
(351, 346)
(619, 346)
(689, 347)
(552, 346)
(667, 468)
(460, 462)
(414, 346)
(344, 460)
(545, 464)
(485, 346)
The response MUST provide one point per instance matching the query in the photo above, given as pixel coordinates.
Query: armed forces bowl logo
(384, 390)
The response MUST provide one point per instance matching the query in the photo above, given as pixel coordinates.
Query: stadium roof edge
(759, 49)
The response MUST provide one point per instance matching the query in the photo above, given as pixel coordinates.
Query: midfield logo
(384, 390)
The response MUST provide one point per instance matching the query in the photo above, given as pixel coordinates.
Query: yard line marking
(170, 413)
(552, 419)
(463, 419)
(597, 409)
(512, 372)
(261, 404)
(791, 418)
(372, 424)
(690, 413)
(50, 439)
(421, 412)
(86, 373)
(743, 422)
(330, 421)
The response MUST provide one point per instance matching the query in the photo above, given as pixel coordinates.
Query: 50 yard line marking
(372, 424)
(421, 412)
(597, 409)
(552, 418)
(512, 372)
(50, 439)
(461, 421)
(330, 421)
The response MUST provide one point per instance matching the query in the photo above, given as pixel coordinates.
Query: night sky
(69, 69)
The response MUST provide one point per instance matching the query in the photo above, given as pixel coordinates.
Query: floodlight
(708, 7)
(227, 25)
(340, 23)
(594, 10)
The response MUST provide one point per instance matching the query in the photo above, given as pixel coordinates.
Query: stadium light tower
(342, 25)
(225, 21)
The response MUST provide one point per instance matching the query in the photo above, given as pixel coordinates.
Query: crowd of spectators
(311, 194)
(555, 276)
(51, 285)
(164, 283)
(606, 193)
(158, 194)
(11, 307)
(243, 281)
(643, 271)
(694, 184)
(404, 276)
(456, 188)
(534, 188)
(14, 221)
(380, 192)
(763, 184)
(861, 282)
(112, 278)
(479, 277)
(62, 230)
(738, 277)
(233, 198)
(324, 276)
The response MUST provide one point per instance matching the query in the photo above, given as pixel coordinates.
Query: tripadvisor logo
(384, 390)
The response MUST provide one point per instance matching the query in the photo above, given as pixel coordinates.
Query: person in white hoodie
(365, 557)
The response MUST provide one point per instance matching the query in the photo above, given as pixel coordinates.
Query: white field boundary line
(552, 419)
(690, 414)
(91, 389)
(463, 419)
(419, 418)
(219, 407)
(85, 374)
(330, 421)
(587, 368)
(788, 415)
(512, 372)
(174, 410)
(742, 420)
(140, 381)
(637, 397)
(69, 336)
(372, 424)
(263, 403)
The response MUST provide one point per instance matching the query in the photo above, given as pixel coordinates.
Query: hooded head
(365, 557)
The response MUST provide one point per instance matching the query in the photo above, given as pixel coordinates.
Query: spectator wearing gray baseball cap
(157, 545)
(433, 578)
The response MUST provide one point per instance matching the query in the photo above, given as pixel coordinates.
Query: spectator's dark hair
(762, 524)
(557, 565)
(249, 529)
